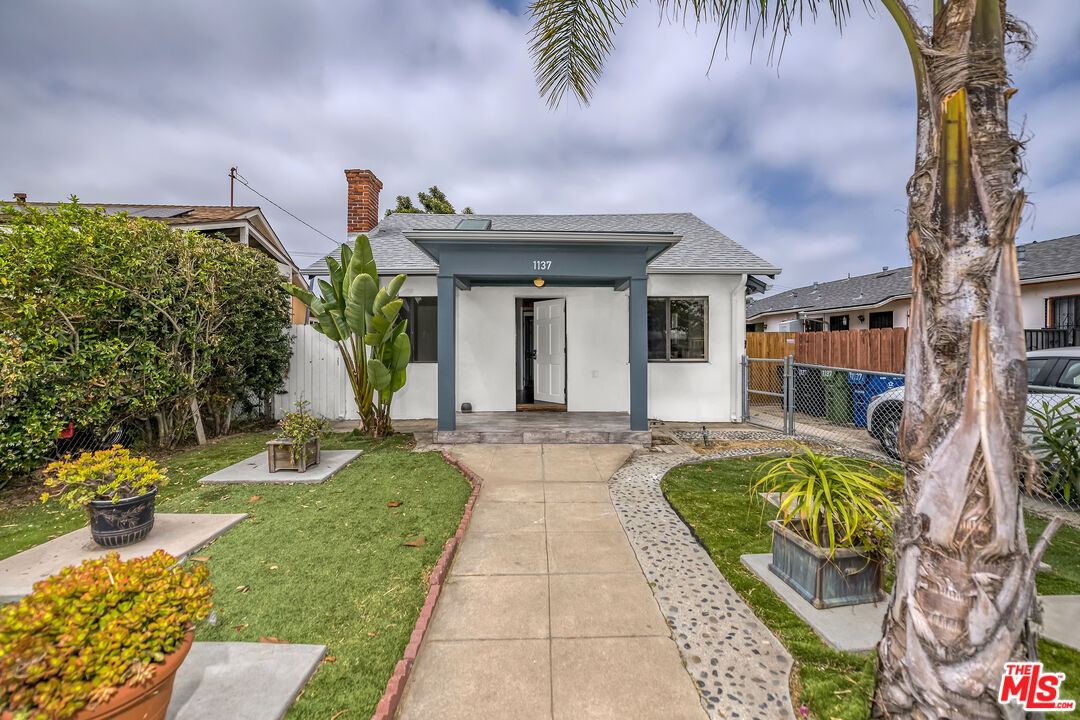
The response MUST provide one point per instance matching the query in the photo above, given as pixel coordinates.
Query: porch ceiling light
(538, 282)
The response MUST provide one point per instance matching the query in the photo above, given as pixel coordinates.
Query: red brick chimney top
(363, 200)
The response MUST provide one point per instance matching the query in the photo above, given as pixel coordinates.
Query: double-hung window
(678, 328)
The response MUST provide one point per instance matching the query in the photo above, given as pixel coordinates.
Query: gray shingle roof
(1046, 259)
(702, 247)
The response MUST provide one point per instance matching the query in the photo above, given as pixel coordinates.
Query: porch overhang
(469, 258)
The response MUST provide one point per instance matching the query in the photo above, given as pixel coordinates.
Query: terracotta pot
(149, 701)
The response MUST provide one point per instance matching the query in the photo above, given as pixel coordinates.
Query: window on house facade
(1064, 311)
(423, 328)
(814, 325)
(881, 319)
(838, 322)
(678, 328)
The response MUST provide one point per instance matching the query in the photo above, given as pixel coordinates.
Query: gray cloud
(804, 162)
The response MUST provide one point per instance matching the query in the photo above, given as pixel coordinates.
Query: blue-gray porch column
(447, 354)
(639, 358)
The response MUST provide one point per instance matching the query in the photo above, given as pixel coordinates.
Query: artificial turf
(323, 564)
(714, 497)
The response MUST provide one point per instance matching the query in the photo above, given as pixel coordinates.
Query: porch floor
(517, 428)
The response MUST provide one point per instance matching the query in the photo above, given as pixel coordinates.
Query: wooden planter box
(847, 578)
(279, 454)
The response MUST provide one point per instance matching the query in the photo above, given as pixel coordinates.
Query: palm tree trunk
(964, 589)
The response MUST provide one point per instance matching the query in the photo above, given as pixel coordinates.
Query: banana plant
(362, 319)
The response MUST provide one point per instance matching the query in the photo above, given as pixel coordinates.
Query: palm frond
(571, 39)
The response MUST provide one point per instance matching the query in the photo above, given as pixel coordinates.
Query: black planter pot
(124, 522)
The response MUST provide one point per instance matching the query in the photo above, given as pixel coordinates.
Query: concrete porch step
(549, 436)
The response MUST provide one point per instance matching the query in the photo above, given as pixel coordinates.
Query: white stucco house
(1049, 291)
(639, 315)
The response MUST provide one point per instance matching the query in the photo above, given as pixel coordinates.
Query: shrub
(844, 499)
(1057, 445)
(88, 630)
(109, 319)
(104, 475)
(300, 428)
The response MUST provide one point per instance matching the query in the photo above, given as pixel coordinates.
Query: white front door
(549, 367)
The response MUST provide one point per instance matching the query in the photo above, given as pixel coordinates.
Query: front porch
(525, 428)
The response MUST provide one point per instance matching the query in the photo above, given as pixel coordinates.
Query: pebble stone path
(741, 670)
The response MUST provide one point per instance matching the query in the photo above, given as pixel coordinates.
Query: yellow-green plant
(300, 428)
(89, 629)
(111, 474)
(837, 501)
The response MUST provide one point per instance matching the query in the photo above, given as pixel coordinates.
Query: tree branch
(148, 301)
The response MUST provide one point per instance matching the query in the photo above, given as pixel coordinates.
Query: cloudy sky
(802, 162)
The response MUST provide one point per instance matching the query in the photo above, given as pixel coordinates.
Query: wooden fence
(881, 350)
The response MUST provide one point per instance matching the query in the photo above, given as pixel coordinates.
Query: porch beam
(447, 353)
(462, 283)
(639, 367)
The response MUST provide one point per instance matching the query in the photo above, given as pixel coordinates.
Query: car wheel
(889, 429)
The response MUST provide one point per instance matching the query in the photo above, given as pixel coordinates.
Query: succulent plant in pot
(833, 522)
(298, 442)
(100, 640)
(117, 490)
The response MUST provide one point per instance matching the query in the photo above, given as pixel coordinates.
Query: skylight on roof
(474, 224)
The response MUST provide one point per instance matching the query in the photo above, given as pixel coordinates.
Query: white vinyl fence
(317, 374)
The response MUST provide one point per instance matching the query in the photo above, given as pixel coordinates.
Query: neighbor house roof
(207, 218)
(702, 247)
(1037, 262)
(169, 214)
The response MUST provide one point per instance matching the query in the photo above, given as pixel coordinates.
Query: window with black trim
(423, 328)
(838, 322)
(880, 320)
(678, 328)
(1065, 311)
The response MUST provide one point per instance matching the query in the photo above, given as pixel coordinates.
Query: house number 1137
(541, 264)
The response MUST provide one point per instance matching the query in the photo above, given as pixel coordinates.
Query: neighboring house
(1049, 289)
(639, 313)
(246, 225)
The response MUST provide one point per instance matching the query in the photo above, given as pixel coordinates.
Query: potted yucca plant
(117, 490)
(297, 445)
(101, 640)
(832, 525)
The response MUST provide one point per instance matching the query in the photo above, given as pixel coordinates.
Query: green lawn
(714, 498)
(320, 564)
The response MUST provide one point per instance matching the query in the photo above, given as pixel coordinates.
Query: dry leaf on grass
(201, 558)
(255, 497)
(393, 504)
(272, 640)
(243, 588)
(417, 542)
(329, 658)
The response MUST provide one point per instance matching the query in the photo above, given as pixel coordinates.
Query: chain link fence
(861, 411)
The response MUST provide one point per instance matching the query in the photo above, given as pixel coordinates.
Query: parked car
(1055, 372)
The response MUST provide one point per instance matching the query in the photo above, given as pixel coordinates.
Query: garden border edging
(395, 686)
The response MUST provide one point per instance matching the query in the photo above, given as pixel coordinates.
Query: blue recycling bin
(858, 382)
(880, 383)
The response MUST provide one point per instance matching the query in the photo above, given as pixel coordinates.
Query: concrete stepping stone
(1061, 619)
(178, 534)
(256, 469)
(242, 680)
(852, 628)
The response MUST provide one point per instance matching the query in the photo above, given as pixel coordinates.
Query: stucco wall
(597, 351)
(1033, 297)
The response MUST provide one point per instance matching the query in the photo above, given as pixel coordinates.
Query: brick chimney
(363, 200)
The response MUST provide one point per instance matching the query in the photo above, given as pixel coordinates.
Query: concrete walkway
(546, 613)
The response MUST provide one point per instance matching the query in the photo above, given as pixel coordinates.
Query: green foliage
(433, 201)
(843, 499)
(89, 629)
(109, 319)
(104, 475)
(1058, 445)
(362, 319)
(300, 428)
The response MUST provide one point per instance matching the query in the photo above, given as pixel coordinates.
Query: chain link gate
(766, 392)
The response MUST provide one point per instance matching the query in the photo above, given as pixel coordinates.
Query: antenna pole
(232, 185)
